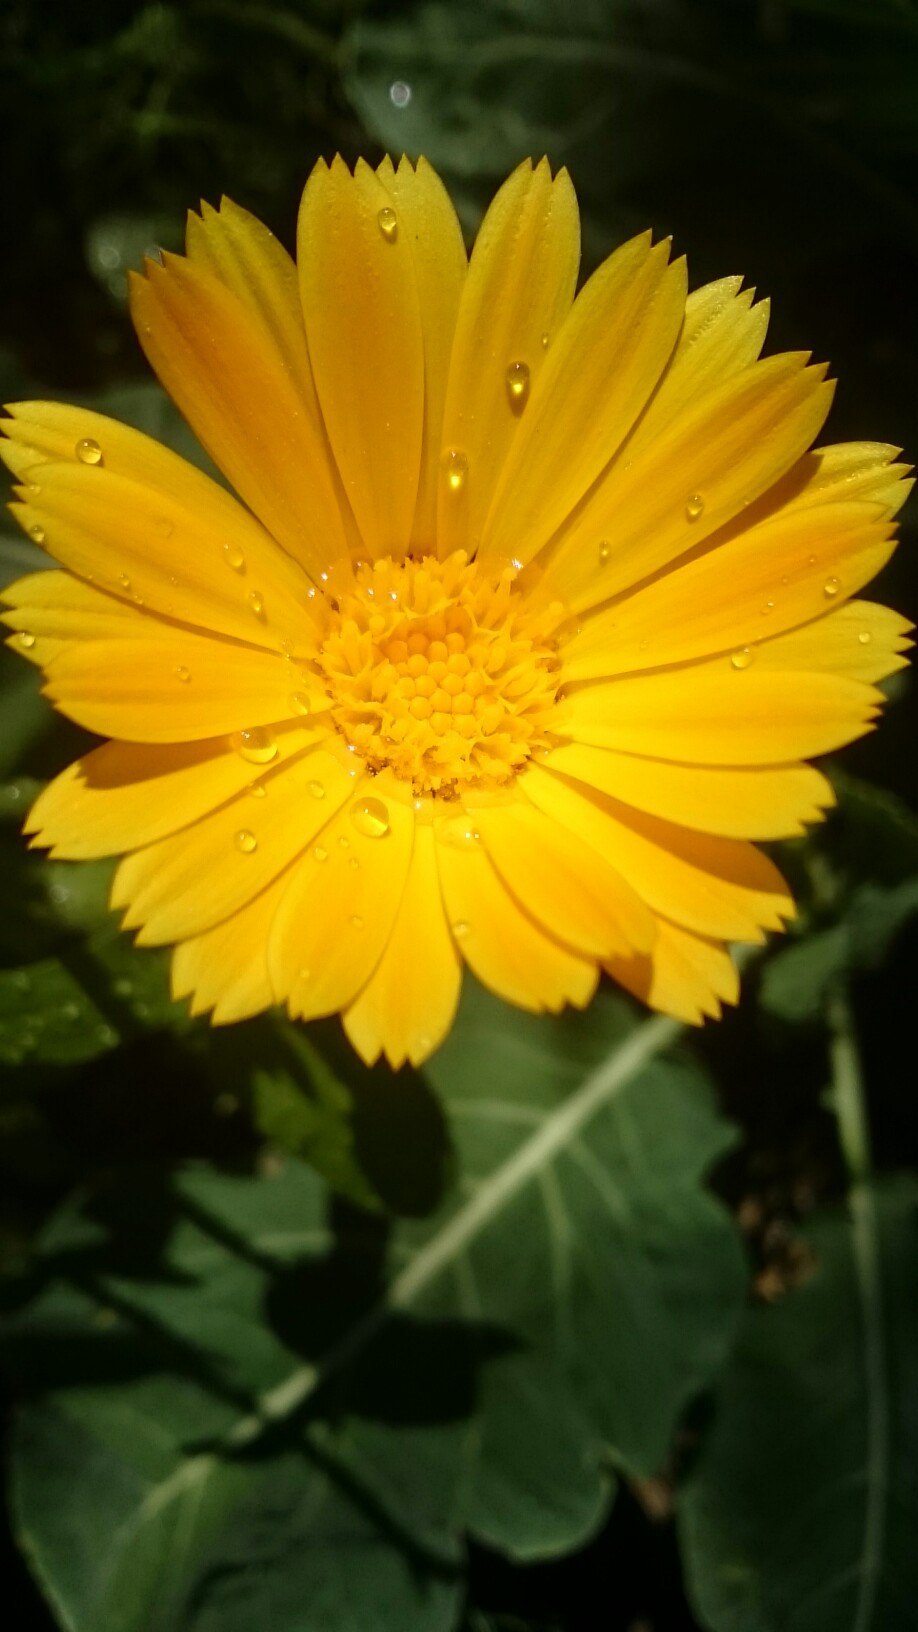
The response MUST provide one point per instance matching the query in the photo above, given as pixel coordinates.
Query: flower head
(526, 616)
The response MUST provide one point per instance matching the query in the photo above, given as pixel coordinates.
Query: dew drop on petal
(233, 557)
(694, 506)
(344, 842)
(317, 789)
(387, 221)
(181, 673)
(26, 638)
(356, 921)
(545, 340)
(38, 533)
(245, 841)
(257, 745)
(371, 818)
(354, 863)
(257, 603)
(831, 588)
(459, 832)
(605, 551)
(742, 657)
(88, 451)
(456, 466)
(320, 853)
(461, 929)
(299, 702)
(258, 790)
(124, 580)
(517, 378)
(864, 637)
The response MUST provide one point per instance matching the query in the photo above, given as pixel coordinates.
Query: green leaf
(480, 1369)
(802, 1512)
(798, 979)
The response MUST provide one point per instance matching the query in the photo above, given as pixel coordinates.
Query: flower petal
(140, 545)
(774, 577)
(408, 1004)
(175, 687)
(52, 610)
(759, 802)
(363, 321)
(431, 226)
(595, 380)
(712, 714)
(337, 913)
(520, 286)
(217, 360)
(862, 641)
(713, 886)
(842, 472)
(194, 879)
(127, 794)
(226, 969)
(722, 451)
(502, 945)
(572, 891)
(687, 976)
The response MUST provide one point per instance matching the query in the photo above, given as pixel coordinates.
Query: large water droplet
(317, 789)
(742, 657)
(371, 818)
(88, 451)
(245, 841)
(517, 378)
(831, 588)
(387, 221)
(233, 557)
(257, 745)
(456, 466)
(694, 506)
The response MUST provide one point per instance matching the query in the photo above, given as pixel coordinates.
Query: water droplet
(88, 451)
(181, 673)
(517, 378)
(459, 832)
(257, 745)
(371, 818)
(460, 929)
(26, 639)
(300, 703)
(605, 550)
(124, 580)
(258, 790)
(356, 921)
(694, 506)
(320, 853)
(38, 533)
(387, 220)
(456, 466)
(344, 842)
(831, 588)
(864, 637)
(742, 657)
(399, 93)
(768, 607)
(317, 789)
(233, 557)
(354, 863)
(245, 841)
(257, 603)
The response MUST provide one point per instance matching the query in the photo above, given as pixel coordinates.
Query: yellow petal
(720, 453)
(575, 894)
(140, 545)
(51, 609)
(713, 886)
(127, 794)
(519, 289)
(226, 968)
(723, 333)
(218, 362)
(712, 714)
(363, 321)
(194, 879)
(861, 640)
(780, 574)
(168, 687)
(337, 914)
(760, 802)
(408, 1004)
(502, 945)
(687, 976)
(431, 226)
(596, 378)
(844, 471)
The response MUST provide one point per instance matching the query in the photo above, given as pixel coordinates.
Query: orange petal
(687, 976)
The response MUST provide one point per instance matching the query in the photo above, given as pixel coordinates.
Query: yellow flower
(526, 616)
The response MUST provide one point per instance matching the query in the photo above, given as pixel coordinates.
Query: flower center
(441, 672)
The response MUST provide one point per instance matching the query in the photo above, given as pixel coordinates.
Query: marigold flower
(528, 613)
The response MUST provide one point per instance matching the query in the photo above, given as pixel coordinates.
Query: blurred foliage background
(777, 138)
